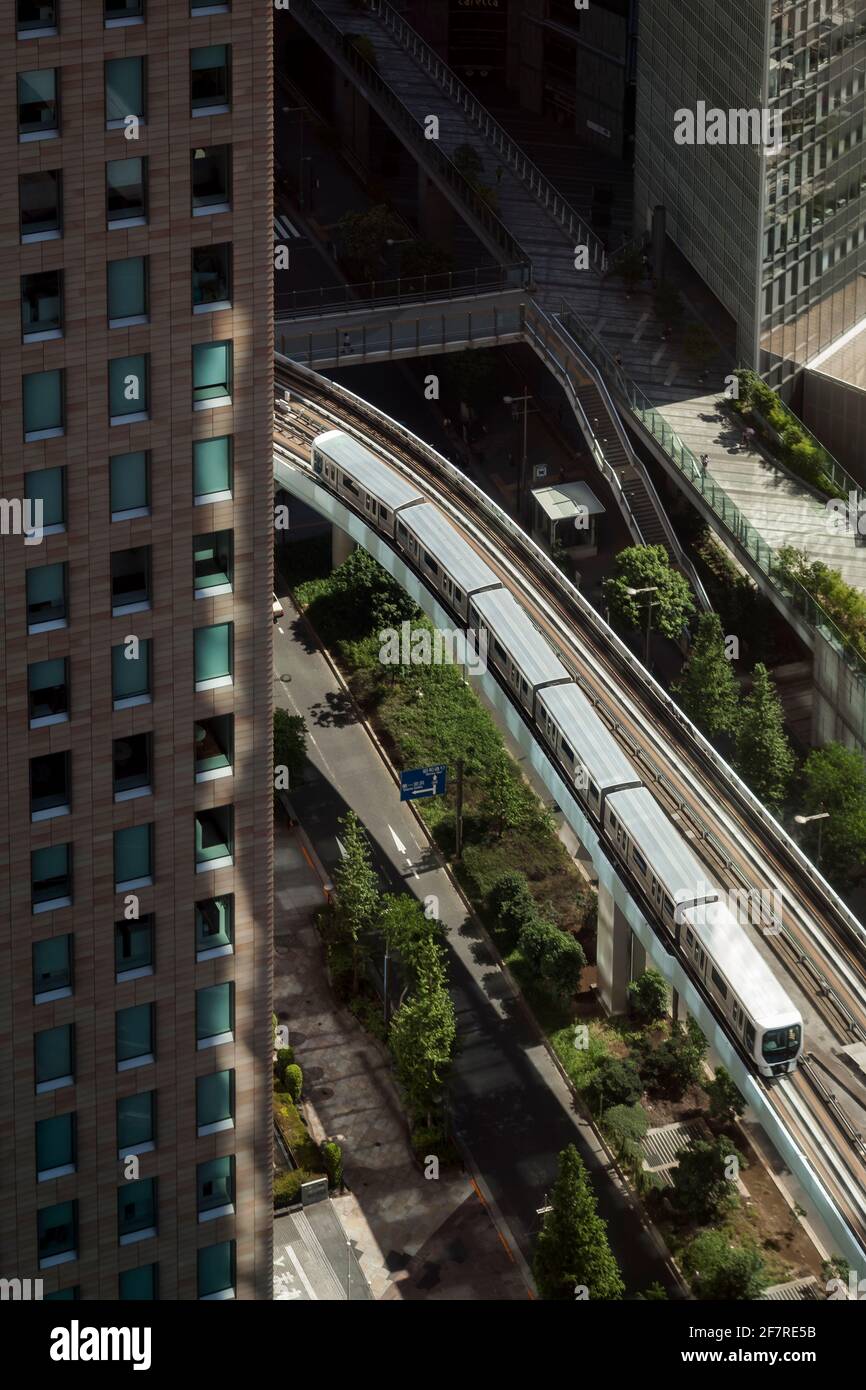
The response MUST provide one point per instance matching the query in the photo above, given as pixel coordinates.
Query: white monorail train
(673, 882)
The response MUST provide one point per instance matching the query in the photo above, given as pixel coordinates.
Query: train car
(656, 853)
(376, 490)
(443, 557)
(594, 761)
(515, 647)
(765, 1022)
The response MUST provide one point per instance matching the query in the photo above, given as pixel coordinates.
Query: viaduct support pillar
(342, 546)
(435, 213)
(613, 954)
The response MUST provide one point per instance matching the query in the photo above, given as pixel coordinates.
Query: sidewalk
(413, 1237)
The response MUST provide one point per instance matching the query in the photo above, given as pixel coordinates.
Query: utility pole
(458, 813)
(385, 988)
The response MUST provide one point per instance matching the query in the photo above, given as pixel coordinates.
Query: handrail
(683, 559)
(715, 497)
(340, 45)
(545, 193)
(482, 279)
(480, 501)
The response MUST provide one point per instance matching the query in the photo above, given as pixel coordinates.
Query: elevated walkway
(659, 384)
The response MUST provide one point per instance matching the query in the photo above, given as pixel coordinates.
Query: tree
(648, 997)
(468, 161)
(410, 934)
(562, 962)
(290, 743)
(726, 1102)
(294, 1081)
(764, 756)
(357, 900)
(625, 1126)
(332, 1161)
(656, 1293)
(644, 567)
(364, 236)
(511, 901)
(368, 594)
(614, 1082)
(675, 1065)
(707, 689)
(834, 780)
(504, 799)
(703, 1180)
(720, 1270)
(572, 1248)
(422, 1037)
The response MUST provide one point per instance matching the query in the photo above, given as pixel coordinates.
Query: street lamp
(399, 241)
(521, 481)
(633, 593)
(819, 816)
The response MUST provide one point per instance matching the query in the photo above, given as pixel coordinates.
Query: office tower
(136, 912)
(776, 232)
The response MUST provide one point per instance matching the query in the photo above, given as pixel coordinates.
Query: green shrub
(625, 1126)
(332, 1158)
(285, 1057)
(370, 1015)
(294, 1081)
(613, 1083)
(287, 1188)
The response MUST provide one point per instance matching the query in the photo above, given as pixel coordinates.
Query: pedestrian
(748, 437)
(705, 462)
(347, 342)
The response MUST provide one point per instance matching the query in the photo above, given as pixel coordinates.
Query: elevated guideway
(745, 846)
(749, 499)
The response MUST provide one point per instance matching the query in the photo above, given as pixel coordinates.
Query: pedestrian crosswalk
(284, 230)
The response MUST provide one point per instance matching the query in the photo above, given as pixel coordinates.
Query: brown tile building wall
(166, 139)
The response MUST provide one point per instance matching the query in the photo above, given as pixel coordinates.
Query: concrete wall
(835, 411)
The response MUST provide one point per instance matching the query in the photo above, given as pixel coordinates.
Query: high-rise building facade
(777, 226)
(136, 367)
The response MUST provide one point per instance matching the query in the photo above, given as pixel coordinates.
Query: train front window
(781, 1043)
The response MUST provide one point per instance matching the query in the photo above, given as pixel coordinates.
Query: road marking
(401, 848)
(284, 230)
(639, 327)
(340, 846)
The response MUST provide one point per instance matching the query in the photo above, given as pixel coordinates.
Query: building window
(215, 1183)
(57, 1231)
(133, 774)
(136, 1123)
(139, 1284)
(133, 857)
(43, 405)
(127, 292)
(124, 91)
(211, 375)
(130, 673)
(136, 1211)
(210, 80)
(214, 1102)
(205, 7)
(213, 655)
(38, 105)
(216, 1271)
(45, 490)
(128, 389)
(121, 12)
(50, 786)
(55, 1147)
(130, 580)
(37, 19)
(214, 839)
(126, 192)
(211, 180)
(214, 1015)
(134, 1036)
(214, 747)
(40, 205)
(214, 927)
(51, 878)
(55, 1064)
(212, 469)
(211, 277)
(47, 608)
(48, 692)
(129, 485)
(213, 555)
(42, 306)
(52, 969)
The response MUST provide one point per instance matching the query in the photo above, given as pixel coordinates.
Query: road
(512, 1109)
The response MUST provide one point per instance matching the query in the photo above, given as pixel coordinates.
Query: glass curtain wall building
(777, 229)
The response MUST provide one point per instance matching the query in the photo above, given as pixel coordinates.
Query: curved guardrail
(479, 501)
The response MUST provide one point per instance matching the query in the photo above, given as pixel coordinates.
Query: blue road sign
(419, 782)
